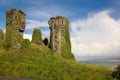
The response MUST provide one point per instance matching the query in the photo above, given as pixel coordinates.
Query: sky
(94, 24)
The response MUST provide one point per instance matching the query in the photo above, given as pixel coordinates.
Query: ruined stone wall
(60, 37)
(16, 19)
(56, 33)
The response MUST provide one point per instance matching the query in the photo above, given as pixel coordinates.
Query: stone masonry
(16, 19)
(56, 33)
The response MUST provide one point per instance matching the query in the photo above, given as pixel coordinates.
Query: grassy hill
(38, 62)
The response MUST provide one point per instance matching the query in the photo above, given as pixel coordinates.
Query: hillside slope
(38, 62)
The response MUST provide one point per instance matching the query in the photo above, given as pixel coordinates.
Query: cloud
(27, 36)
(97, 35)
(44, 13)
(45, 34)
(31, 24)
(38, 14)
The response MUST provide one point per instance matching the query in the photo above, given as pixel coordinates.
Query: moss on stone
(15, 18)
(66, 45)
(9, 37)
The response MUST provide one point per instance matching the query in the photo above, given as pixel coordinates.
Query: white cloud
(47, 12)
(44, 35)
(97, 35)
(35, 24)
(31, 24)
(38, 14)
(27, 36)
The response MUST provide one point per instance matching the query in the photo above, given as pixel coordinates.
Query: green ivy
(9, 37)
(1, 35)
(66, 45)
(25, 43)
(36, 36)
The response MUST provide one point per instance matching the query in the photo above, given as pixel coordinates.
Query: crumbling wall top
(15, 10)
(57, 21)
(51, 21)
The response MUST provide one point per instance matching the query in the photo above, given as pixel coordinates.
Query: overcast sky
(94, 24)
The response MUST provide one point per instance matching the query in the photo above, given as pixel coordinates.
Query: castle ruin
(16, 19)
(59, 33)
(56, 33)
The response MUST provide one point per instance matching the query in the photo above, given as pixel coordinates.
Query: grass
(38, 62)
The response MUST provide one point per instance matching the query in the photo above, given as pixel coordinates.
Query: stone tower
(56, 33)
(15, 18)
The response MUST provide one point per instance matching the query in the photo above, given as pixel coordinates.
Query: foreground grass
(39, 62)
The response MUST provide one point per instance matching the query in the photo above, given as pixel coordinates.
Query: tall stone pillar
(15, 18)
(56, 33)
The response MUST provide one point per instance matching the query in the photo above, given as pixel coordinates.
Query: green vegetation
(116, 73)
(1, 38)
(66, 45)
(46, 42)
(25, 43)
(9, 37)
(37, 37)
(1, 35)
(38, 62)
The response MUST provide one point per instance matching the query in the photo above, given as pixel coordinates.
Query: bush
(9, 37)
(36, 36)
(1, 38)
(45, 41)
(25, 43)
(116, 73)
(1, 35)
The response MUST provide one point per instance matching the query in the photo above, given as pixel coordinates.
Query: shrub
(25, 43)
(9, 37)
(36, 36)
(45, 41)
(1, 35)
(1, 38)
(116, 73)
